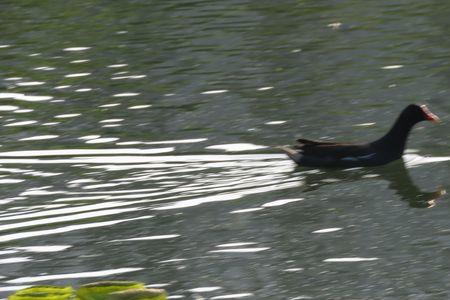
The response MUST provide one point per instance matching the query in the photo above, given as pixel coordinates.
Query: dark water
(136, 144)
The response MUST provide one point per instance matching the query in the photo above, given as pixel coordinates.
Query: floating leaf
(139, 294)
(43, 292)
(100, 290)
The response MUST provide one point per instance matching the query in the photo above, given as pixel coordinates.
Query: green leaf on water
(139, 294)
(100, 290)
(43, 292)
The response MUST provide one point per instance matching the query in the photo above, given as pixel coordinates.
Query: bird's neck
(395, 140)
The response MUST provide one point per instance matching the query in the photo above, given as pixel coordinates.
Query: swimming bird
(388, 148)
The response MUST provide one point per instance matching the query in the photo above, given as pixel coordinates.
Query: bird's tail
(293, 154)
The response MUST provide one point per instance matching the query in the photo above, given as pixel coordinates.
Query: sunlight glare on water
(140, 142)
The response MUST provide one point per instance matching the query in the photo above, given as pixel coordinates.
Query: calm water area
(137, 143)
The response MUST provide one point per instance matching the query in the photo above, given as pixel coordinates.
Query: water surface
(137, 143)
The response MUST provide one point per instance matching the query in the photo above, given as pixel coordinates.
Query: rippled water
(137, 143)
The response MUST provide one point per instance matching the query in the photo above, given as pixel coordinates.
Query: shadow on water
(396, 174)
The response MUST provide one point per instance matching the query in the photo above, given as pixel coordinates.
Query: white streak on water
(235, 244)
(34, 98)
(186, 141)
(23, 111)
(21, 123)
(327, 230)
(232, 296)
(74, 275)
(275, 122)
(41, 192)
(101, 140)
(13, 288)
(70, 152)
(205, 289)
(84, 180)
(43, 249)
(236, 147)
(81, 198)
(365, 124)
(74, 75)
(13, 260)
(30, 83)
(44, 68)
(28, 234)
(65, 116)
(149, 238)
(129, 143)
(111, 120)
(103, 185)
(10, 180)
(75, 49)
(293, 270)
(6, 252)
(240, 250)
(128, 77)
(392, 67)
(117, 66)
(246, 210)
(70, 210)
(281, 202)
(120, 192)
(265, 88)
(229, 196)
(23, 97)
(109, 105)
(126, 159)
(39, 137)
(198, 201)
(126, 95)
(79, 61)
(139, 106)
(214, 92)
(413, 160)
(172, 260)
(350, 259)
(89, 137)
(74, 217)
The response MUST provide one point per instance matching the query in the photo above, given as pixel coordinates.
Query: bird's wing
(335, 151)
(302, 141)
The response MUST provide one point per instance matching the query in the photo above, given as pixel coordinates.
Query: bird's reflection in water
(395, 173)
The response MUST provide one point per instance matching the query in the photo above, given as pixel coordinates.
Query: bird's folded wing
(302, 141)
(336, 151)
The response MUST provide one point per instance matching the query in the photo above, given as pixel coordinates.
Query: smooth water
(137, 143)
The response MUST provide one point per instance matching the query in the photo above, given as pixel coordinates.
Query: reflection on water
(395, 174)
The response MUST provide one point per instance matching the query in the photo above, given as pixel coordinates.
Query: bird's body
(388, 148)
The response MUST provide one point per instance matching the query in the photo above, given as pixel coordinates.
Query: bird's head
(420, 112)
(428, 115)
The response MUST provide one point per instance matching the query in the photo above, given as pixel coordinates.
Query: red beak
(429, 115)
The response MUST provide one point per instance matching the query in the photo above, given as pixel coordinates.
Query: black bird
(382, 151)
